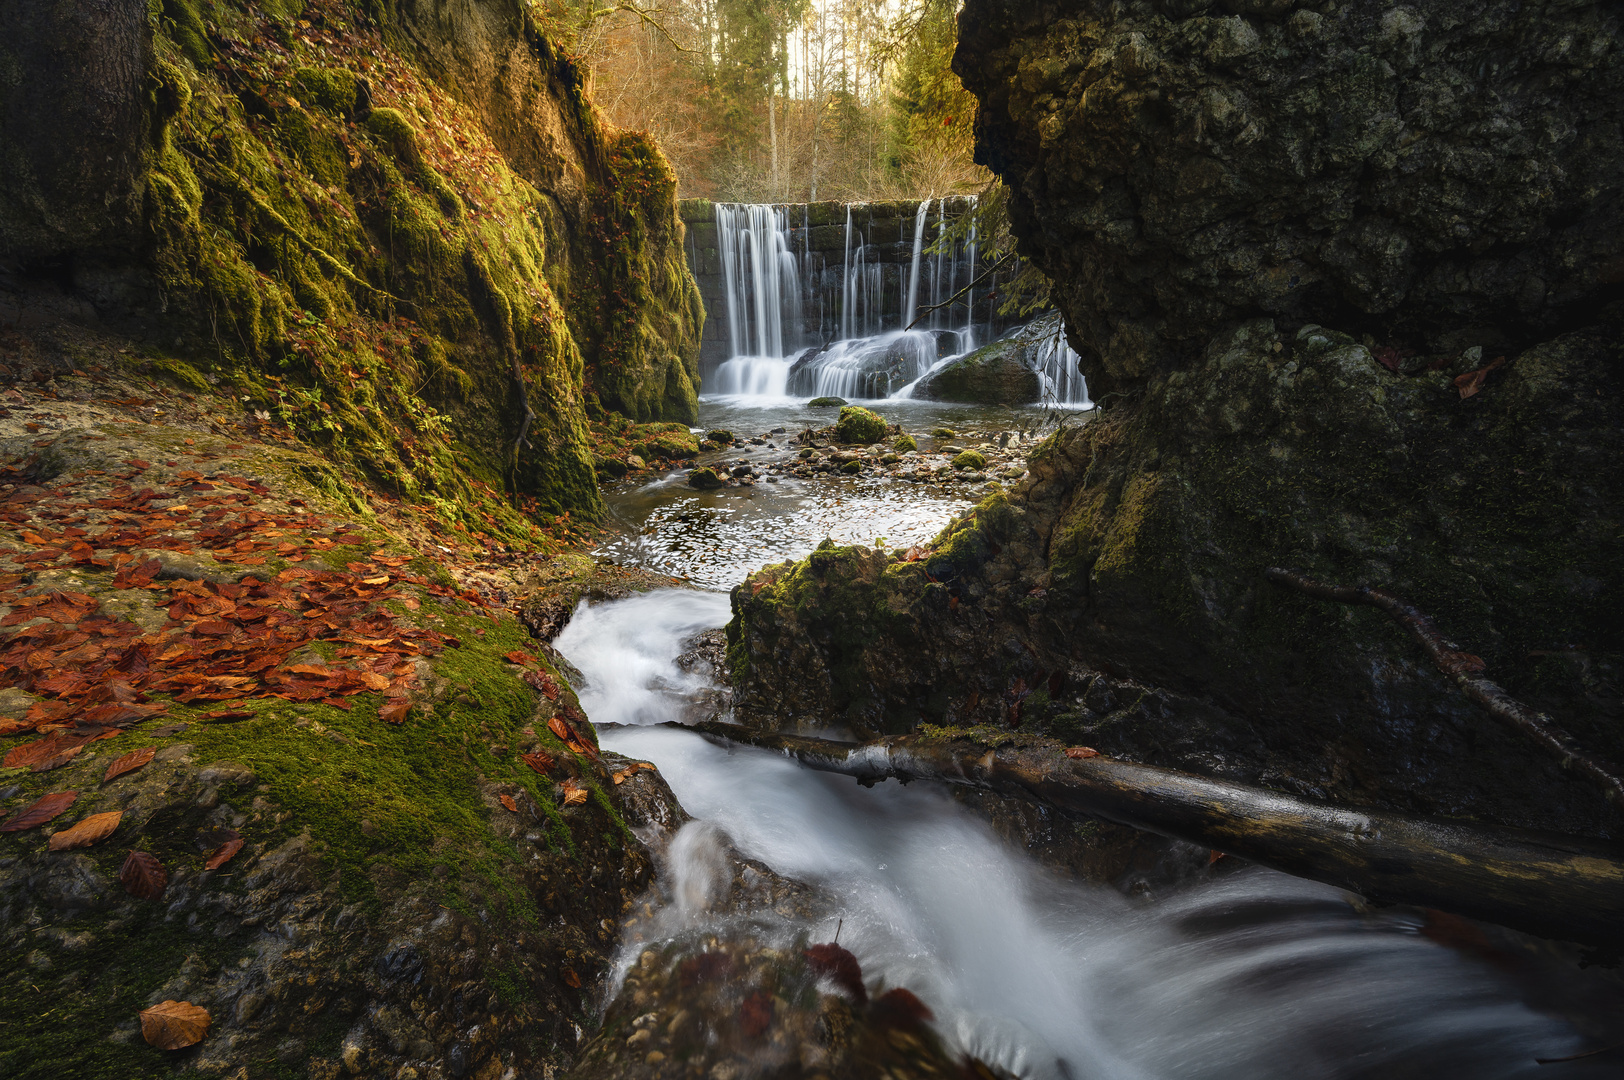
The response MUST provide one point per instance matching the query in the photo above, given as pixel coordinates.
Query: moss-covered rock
(902, 444)
(1136, 547)
(995, 374)
(969, 459)
(705, 478)
(721, 436)
(381, 263)
(859, 425)
(826, 402)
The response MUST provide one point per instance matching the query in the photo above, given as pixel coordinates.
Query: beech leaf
(394, 709)
(572, 979)
(91, 830)
(1081, 752)
(223, 853)
(129, 763)
(144, 877)
(573, 795)
(542, 763)
(557, 726)
(508, 803)
(171, 1025)
(40, 811)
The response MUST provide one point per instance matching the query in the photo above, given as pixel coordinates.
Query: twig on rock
(1466, 670)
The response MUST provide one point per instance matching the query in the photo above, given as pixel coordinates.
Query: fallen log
(1466, 670)
(1563, 887)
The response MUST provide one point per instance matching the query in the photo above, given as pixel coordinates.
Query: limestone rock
(1438, 174)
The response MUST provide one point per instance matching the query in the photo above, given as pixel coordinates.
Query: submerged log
(1465, 669)
(1555, 886)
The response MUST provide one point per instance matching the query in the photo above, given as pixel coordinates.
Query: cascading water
(1251, 976)
(875, 356)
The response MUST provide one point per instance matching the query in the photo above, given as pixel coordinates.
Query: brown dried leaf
(572, 979)
(508, 803)
(222, 854)
(620, 777)
(573, 795)
(91, 830)
(394, 710)
(171, 1025)
(519, 656)
(1081, 752)
(144, 877)
(129, 763)
(558, 727)
(542, 763)
(40, 811)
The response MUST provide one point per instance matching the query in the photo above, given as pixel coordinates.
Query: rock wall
(1342, 276)
(404, 231)
(1437, 174)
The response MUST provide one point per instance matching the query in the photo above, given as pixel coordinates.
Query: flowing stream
(1251, 975)
(1246, 975)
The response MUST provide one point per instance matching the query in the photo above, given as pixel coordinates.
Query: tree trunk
(1563, 887)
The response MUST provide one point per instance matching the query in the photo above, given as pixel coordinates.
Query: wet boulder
(996, 374)
(705, 479)
(859, 425)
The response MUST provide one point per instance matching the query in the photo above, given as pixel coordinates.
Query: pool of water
(714, 538)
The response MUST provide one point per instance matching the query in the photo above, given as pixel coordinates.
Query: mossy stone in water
(852, 468)
(720, 435)
(904, 443)
(969, 459)
(943, 433)
(858, 425)
(704, 479)
(610, 467)
(826, 402)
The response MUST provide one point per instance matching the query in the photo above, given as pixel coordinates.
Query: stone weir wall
(816, 234)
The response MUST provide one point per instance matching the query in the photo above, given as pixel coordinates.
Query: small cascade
(1052, 357)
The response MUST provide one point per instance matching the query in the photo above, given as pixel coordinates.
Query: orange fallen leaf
(222, 854)
(619, 777)
(508, 803)
(144, 877)
(1213, 856)
(1081, 752)
(171, 1025)
(91, 830)
(519, 656)
(573, 795)
(381, 579)
(394, 710)
(572, 979)
(542, 763)
(40, 811)
(558, 727)
(1472, 382)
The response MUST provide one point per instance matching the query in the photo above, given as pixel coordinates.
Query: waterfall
(773, 274)
(761, 278)
(913, 267)
(1052, 357)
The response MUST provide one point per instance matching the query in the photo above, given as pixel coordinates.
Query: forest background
(785, 100)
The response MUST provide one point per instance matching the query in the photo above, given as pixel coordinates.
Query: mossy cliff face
(1342, 275)
(1441, 174)
(403, 228)
(1116, 596)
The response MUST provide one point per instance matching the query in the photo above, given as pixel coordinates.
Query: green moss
(969, 459)
(332, 89)
(859, 425)
(902, 444)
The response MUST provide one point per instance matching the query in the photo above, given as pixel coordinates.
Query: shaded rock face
(995, 374)
(1439, 174)
(1115, 597)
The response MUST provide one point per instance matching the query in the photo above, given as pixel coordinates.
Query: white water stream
(1251, 976)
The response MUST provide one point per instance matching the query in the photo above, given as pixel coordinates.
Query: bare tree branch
(1464, 668)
